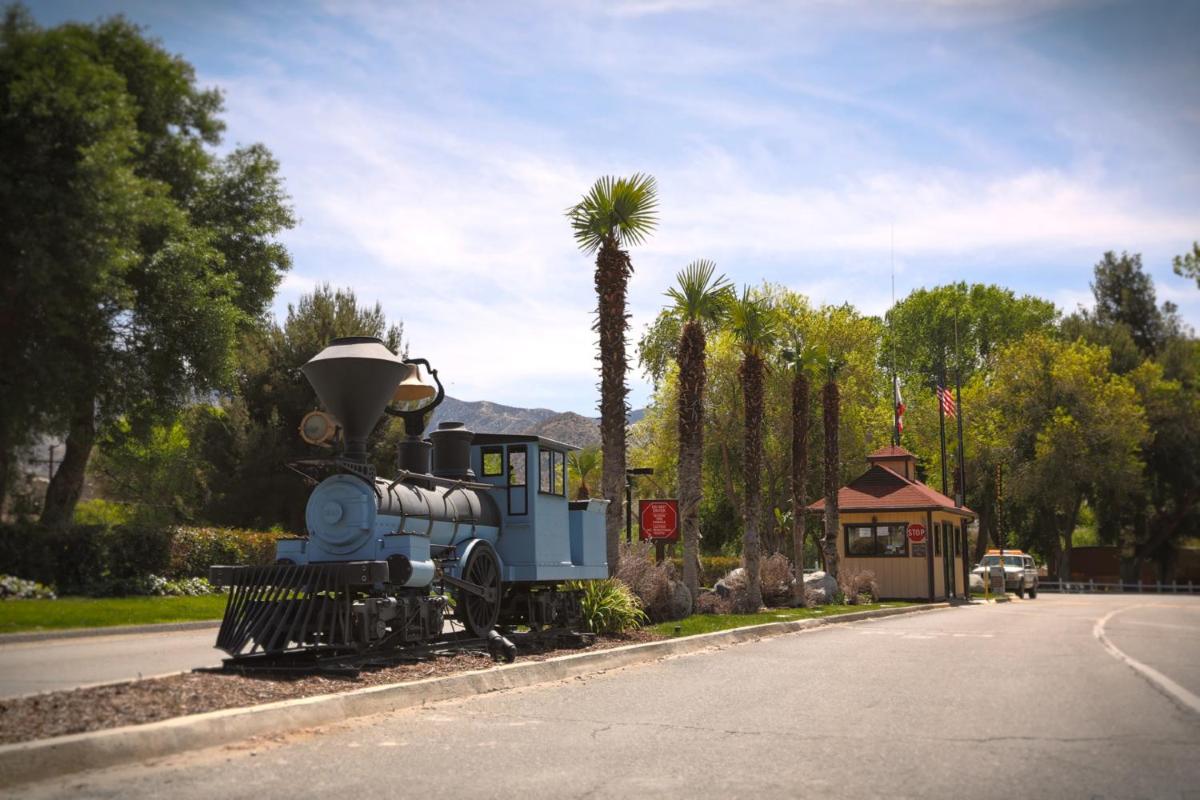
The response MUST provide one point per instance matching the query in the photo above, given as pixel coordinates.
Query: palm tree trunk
(752, 386)
(692, 376)
(799, 473)
(612, 277)
(66, 487)
(830, 401)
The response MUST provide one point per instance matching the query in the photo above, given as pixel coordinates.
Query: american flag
(900, 407)
(947, 401)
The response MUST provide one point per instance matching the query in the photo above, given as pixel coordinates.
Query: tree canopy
(135, 253)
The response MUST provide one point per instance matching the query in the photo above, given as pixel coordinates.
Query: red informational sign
(916, 533)
(658, 520)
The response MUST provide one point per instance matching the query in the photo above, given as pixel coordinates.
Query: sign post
(658, 522)
(916, 539)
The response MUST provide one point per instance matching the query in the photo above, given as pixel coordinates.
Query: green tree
(700, 300)
(802, 359)
(1125, 296)
(1064, 429)
(1188, 264)
(614, 214)
(920, 333)
(754, 324)
(582, 466)
(256, 488)
(165, 475)
(145, 251)
(831, 409)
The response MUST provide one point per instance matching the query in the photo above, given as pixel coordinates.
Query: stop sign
(916, 533)
(659, 520)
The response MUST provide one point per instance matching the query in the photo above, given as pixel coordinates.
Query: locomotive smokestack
(354, 378)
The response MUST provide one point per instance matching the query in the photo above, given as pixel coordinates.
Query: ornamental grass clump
(609, 606)
(654, 584)
(858, 587)
(775, 578)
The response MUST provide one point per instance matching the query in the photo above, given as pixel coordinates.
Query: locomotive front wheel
(479, 613)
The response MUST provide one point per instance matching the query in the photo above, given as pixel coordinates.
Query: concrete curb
(114, 630)
(47, 758)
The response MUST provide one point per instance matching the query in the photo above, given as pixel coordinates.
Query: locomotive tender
(476, 526)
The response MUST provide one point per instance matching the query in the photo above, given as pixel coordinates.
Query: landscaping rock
(681, 600)
(819, 588)
(976, 583)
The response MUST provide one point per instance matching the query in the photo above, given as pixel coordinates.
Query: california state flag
(900, 407)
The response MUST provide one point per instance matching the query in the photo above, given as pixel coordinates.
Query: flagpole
(942, 428)
(891, 326)
(961, 494)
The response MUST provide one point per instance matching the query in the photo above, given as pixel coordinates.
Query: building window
(876, 540)
(493, 461)
(938, 532)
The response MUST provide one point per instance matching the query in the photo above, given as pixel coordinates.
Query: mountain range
(484, 416)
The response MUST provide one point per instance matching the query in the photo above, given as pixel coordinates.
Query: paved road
(49, 664)
(1015, 700)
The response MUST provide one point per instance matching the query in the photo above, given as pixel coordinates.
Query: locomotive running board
(287, 607)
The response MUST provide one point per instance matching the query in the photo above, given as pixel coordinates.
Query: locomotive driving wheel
(479, 608)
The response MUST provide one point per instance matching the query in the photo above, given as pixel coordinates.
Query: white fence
(1139, 587)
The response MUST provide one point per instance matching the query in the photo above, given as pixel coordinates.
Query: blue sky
(431, 149)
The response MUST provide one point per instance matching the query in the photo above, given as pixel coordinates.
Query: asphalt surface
(1013, 700)
(49, 664)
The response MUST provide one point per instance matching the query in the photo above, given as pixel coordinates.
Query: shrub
(195, 549)
(858, 587)
(711, 603)
(103, 512)
(712, 568)
(14, 588)
(651, 582)
(775, 577)
(110, 561)
(609, 606)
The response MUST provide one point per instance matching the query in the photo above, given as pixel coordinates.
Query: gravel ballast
(136, 702)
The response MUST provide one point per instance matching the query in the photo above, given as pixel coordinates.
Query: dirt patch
(80, 710)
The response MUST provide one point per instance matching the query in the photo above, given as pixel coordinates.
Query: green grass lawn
(707, 623)
(102, 612)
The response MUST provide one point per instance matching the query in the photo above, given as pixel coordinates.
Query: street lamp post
(629, 474)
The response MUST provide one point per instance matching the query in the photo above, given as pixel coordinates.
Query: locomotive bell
(411, 388)
(354, 378)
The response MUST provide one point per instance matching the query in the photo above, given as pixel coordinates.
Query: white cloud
(446, 203)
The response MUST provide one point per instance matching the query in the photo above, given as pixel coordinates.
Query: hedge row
(712, 568)
(103, 561)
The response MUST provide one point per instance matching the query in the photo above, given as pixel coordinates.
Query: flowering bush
(14, 588)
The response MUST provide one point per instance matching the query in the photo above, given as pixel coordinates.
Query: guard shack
(912, 537)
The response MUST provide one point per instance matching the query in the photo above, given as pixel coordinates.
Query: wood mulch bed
(136, 702)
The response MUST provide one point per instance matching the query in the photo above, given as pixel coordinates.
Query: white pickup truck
(1020, 573)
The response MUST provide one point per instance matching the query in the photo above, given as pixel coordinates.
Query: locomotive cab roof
(520, 438)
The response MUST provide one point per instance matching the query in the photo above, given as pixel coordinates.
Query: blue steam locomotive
(475, 527)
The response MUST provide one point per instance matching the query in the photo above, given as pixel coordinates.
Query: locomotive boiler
(475, 528)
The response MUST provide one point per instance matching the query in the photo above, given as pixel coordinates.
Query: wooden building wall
(906, 577)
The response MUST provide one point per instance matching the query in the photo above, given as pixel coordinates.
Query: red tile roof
(880, 488)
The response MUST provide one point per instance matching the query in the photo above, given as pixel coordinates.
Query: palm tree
(615, 213)
(831, 400)
(801, 358)
(583, 465)
(699, 300)
(753, 322)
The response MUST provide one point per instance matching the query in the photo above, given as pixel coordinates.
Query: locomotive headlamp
(318, 428)
(411, 388)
